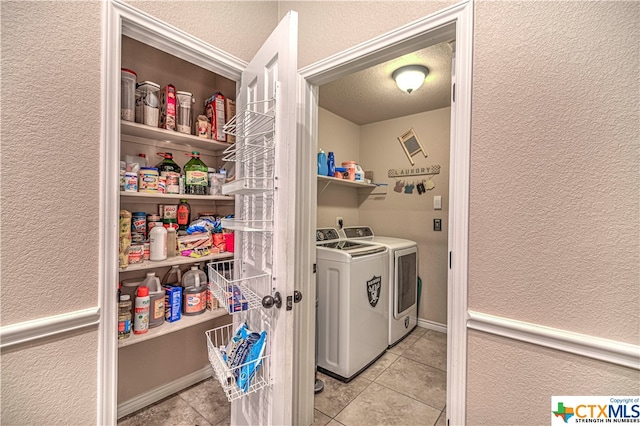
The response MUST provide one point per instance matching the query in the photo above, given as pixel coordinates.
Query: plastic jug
(156, 295)
(323, 167)
(173, 276)
(359, 174)
(194, 300)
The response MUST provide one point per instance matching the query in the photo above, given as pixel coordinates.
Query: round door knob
(269, 301)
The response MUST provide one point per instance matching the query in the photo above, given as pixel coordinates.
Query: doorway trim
(454, 21)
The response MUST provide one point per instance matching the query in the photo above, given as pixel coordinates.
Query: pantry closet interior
(173, 355)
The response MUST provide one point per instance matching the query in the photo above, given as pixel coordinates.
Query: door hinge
(315, 268)
(450, 259)
(453, 92)
(296, 298)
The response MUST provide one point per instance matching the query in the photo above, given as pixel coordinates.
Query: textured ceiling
(371, 95)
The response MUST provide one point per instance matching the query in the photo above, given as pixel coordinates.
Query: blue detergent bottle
(332, 165)
(323, 168)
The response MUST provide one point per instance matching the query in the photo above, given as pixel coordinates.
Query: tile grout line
(189, 403)
(354, 398)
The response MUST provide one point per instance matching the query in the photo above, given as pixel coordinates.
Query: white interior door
(269, 87)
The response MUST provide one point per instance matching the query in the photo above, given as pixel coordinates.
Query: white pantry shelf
(188, 197)
(168, 136)
(176, 260)
(170, 327)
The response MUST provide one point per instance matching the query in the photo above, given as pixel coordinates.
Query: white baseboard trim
(611, 351)
(156, 394)
(432, 325)
(40, 328)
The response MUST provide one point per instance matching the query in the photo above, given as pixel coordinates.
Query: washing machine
(353, 299)
(403, 279)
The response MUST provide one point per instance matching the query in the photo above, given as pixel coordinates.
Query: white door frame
(455, 21)
(120, 19)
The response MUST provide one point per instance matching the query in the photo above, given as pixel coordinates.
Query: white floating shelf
(328, 180)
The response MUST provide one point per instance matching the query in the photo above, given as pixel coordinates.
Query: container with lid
(124, 317)
(194, 300)
(158, 243)
(323, 165)
(185, 99)
(141, 311)
(351, 169)
(138, 227)
(148, 179)
(128, 94)
(150, 105)
(156, 299)
(196, 179)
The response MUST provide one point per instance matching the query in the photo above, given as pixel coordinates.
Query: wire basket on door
(235, 287)
(236, 380)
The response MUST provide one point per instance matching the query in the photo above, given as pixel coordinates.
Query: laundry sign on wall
(408, 185)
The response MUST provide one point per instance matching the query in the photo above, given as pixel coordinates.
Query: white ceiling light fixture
(411, 77)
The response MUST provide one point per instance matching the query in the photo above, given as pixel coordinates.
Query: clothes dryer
(403, 279)
(353, 299)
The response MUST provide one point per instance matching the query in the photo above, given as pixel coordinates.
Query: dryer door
(406, 280)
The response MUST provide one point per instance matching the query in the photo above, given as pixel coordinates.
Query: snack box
(199, 241)
(214, 107)
(168, 108)
(235, 300)
(172, 303)
(230, 112)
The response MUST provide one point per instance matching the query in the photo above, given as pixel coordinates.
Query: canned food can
(138, 227)
(162, 185)
(146, 252)
(136, 253)
(172, 184)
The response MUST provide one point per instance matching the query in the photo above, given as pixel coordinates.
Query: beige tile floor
(406, 386)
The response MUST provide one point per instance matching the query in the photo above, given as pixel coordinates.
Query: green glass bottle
(196, 180)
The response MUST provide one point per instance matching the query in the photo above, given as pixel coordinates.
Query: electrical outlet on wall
(339, 222)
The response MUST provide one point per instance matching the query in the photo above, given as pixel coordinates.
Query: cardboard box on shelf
(214, 107)
(172, 303)
(230, 112)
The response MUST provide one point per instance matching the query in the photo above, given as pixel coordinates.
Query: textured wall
(51, 71)
(329, 27)
(50, 149)
(237, 27)
(507, 373)
(343, 138)
(411, 216)
(554, 219)
(52, 381)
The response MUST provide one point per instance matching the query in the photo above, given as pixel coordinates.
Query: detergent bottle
(323, 168)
